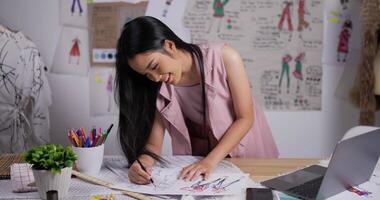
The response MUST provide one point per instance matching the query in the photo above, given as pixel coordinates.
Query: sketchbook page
(280, 42)
(227, 179)
(71, 54)
(342, 31)
(73, 13)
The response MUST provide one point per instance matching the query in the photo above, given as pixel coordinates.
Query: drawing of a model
(75, 52)
(109, 91)
(76, 2)
(218, 7)
(285, 70)
(344, 37)
(297, 73)
(167, 6)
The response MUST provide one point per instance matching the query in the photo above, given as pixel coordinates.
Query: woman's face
(158, 66)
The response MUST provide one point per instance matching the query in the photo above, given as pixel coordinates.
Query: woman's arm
(242, 101)
(135, 173)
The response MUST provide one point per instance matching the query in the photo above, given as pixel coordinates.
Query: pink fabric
(190, 101)
(257, 143)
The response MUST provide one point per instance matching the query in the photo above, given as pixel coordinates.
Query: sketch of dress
(343, 44)
(286, 14)
(285, 70)
(76, 2)
(109, 91)
(167, 6)
(218, 8)
(297, 73)
(75, 51)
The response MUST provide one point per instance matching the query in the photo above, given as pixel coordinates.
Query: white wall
(298, 134)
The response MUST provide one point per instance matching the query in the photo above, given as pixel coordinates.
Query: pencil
(142, 167)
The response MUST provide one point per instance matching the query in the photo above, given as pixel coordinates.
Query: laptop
(352, 163)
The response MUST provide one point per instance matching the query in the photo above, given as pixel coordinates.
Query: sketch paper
(342, 31)
(171, 12)
(102, 101)
(71, 53)
(280, 42)
(227, 179)
(73, 13)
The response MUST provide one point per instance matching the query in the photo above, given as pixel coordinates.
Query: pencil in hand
(143, 168)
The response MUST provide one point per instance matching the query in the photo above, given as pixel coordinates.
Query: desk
(261, 169)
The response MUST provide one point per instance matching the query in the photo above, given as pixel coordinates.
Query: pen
(142, 166)
(107, 133)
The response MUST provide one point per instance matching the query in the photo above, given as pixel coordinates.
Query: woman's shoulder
(211, 46)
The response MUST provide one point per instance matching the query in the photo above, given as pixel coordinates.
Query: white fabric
(24, 94)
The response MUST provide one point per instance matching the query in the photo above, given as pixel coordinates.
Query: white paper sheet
(102, 101)
(73, 13)
(342, 26)
(71, 53)
(280, 42)
(227, 179)
(171, 13)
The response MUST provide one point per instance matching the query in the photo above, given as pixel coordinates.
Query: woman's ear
(170, 47)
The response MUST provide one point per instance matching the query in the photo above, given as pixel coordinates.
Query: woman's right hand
(137, 175)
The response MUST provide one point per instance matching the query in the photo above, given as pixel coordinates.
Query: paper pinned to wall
(71, 53)
(170, 12)
(102, 101)
(279, 41)
(107, 20)
(342, 31)
(73, 13)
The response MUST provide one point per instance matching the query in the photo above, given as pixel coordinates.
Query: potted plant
(51, 166)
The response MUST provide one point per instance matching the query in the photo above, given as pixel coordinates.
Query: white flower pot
(46, 180)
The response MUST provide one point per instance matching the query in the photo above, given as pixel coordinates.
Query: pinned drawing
(73, 6)
(102, 91)
(70, 55)
(166, 8)
(279, 28)
(297, 73)
(343, 44)
(218, 9)
(73, 13)
(75, 51)
(342, 32)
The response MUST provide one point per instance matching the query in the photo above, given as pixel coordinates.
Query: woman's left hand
(193, 171)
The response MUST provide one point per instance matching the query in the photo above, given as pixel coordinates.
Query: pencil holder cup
(90, 159)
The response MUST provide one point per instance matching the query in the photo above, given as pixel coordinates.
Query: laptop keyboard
(309, 189)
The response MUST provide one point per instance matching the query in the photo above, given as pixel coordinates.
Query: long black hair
(136, 95)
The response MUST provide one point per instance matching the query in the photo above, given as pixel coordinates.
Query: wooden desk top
(261, 169)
